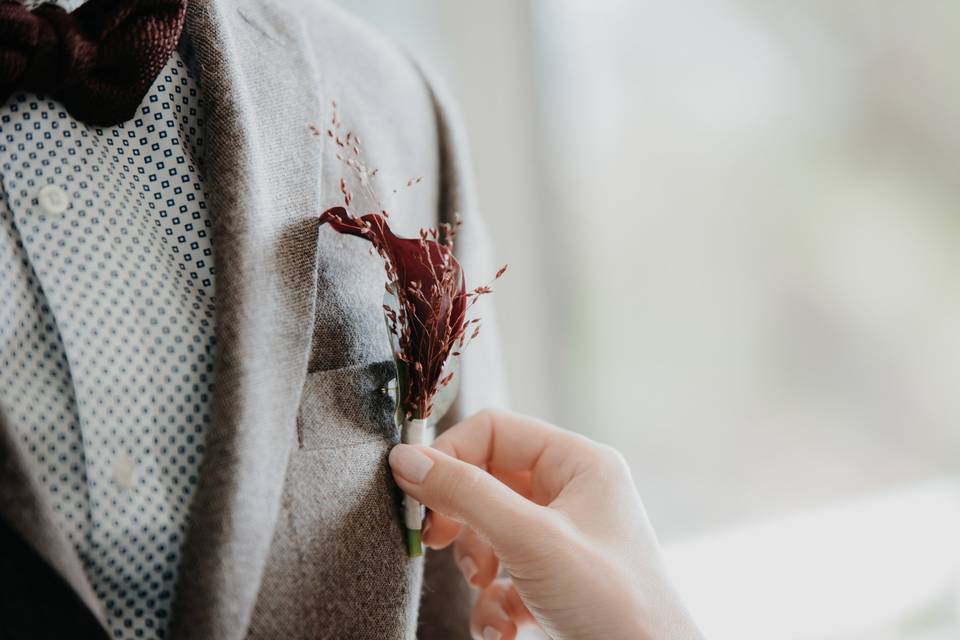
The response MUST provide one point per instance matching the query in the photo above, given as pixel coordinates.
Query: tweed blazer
(295, 529)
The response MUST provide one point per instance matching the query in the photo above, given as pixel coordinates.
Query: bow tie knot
(99, 61)
(53, 51)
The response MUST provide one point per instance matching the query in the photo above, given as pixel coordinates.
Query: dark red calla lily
(431, 292)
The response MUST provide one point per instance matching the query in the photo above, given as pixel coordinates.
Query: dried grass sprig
(422, 273)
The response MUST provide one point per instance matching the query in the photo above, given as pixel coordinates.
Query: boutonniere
(425, 309)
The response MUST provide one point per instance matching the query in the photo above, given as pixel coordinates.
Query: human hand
(560, 513)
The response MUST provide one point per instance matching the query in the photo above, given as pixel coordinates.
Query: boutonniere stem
(416, 431)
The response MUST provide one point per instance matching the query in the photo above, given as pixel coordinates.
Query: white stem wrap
(415, 432)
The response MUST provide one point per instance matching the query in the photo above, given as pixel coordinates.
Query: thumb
(463, 492)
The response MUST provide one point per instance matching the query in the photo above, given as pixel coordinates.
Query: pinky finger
(498, 612)
(439, 530)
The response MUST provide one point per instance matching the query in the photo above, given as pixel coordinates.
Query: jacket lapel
(262, 174)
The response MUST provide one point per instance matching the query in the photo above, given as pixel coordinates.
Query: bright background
(734, 243)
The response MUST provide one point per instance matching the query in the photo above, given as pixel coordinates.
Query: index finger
(504, 442)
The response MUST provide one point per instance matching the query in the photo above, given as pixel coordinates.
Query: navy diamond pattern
(106, 331)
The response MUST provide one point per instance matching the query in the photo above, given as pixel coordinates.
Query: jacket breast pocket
(347, 406)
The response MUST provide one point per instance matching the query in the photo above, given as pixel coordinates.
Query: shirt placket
(75, 241)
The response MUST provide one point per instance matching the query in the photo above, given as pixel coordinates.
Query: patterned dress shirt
(107, 329)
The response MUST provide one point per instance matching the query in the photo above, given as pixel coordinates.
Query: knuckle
(611, 462)
(484, 414)
(490, 416)
(470, 477)
(614, 457)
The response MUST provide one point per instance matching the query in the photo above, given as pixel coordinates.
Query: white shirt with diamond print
(106, 330)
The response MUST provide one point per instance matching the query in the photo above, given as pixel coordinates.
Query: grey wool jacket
(295, 529)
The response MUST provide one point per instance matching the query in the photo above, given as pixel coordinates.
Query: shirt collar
(68, 5)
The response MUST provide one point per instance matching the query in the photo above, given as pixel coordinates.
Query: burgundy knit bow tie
(99, 61)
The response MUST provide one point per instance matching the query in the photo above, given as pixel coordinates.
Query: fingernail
(407, 462)
(489, 633)
(426, 526)
(469, 567)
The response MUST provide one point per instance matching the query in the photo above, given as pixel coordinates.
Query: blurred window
(733, 231)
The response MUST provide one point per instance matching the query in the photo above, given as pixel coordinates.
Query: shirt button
(52, 199)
